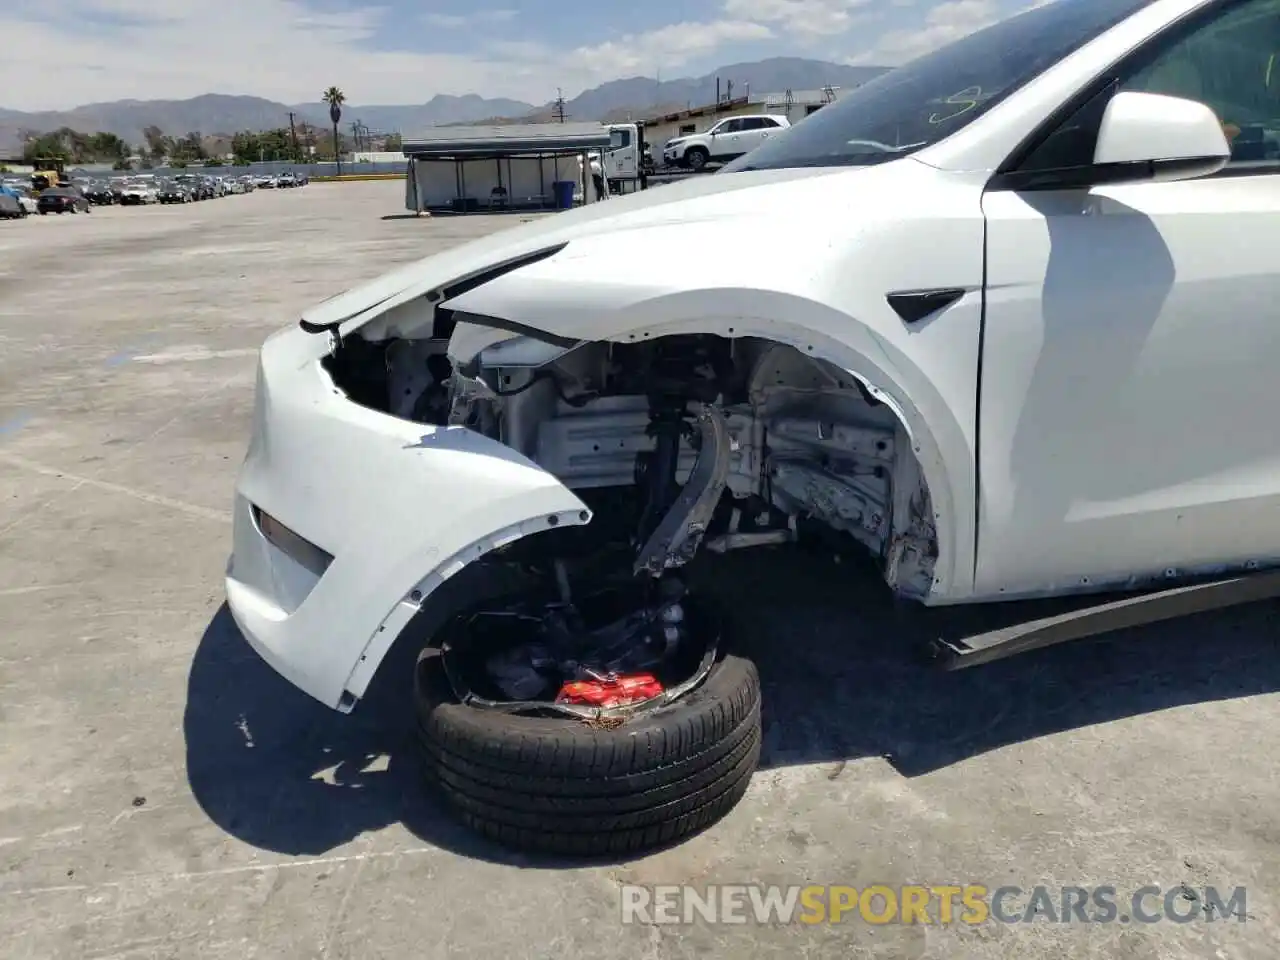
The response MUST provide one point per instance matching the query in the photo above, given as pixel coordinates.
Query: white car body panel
(400, 506)
(1157, 370)
(807, 297)
(1030, 360)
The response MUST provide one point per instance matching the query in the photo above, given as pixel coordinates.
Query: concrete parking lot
(165, 795)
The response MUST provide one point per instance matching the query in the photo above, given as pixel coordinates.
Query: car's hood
(704, 200)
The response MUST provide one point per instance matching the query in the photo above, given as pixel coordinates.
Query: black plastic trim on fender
(1104, 617)
(447, 320)
(916, 305)
(1103, 174)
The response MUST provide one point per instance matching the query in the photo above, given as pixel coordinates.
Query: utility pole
(559, 113)
(293, 137)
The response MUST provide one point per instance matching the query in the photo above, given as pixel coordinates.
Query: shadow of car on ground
(841, 678)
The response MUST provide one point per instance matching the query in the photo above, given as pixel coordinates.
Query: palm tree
(335, 98)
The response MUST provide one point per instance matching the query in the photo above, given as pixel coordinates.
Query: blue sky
(401, 51)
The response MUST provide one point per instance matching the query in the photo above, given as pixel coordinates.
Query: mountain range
(222, 114)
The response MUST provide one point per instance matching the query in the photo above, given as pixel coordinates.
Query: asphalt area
(166, 795)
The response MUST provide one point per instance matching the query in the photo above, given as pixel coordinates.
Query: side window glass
(1073, 143)
(1232, 65)
(1229, 65)
(730, 126)
(619, 139)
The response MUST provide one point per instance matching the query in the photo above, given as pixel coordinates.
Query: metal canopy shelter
(442, 143)
(502, 144)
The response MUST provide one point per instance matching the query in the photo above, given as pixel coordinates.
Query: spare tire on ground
(562, 785)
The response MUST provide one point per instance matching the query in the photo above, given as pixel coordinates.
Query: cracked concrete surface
(166, 795)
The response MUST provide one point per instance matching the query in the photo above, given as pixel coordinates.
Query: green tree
(192, 146)
(250, 146)
(157, 143)
(213, 162)
(335, 98)
(108, 146)
(39, 146)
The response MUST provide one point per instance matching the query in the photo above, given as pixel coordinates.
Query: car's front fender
(826, 300)
(399, 507)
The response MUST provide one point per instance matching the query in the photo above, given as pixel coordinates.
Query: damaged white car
(1003, 316)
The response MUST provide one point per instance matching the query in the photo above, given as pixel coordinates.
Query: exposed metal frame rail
(1105, 617)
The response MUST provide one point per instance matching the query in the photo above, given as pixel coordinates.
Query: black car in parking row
(62, 200)
(176, 191)
(100, 194)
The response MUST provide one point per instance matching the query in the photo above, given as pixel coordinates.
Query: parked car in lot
(99, 193)
(199, 187)
(173, 191)
(11, 207)
(24, 199)
(62, 200)
(727, 140)
(139, 193)
(1012, 345)
(286, 179)
(27, 199)
(266, 182)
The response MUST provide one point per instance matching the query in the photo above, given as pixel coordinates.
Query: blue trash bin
(563, 191)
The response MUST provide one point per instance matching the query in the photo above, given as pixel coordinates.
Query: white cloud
(75, 51)
(282, 49)
(810, 18)
(454, 21)
(667, 47)
(943, 24)
(79, 51)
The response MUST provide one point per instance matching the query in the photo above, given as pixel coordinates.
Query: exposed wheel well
(808, 441)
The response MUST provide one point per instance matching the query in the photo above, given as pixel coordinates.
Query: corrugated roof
(513, 138)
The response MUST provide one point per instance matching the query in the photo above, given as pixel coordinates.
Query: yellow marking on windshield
(965, 100)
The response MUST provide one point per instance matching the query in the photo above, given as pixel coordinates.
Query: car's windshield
(932, 97)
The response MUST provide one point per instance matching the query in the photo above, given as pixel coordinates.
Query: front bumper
(399, 506)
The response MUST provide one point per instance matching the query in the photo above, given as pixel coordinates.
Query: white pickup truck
(728, 139)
